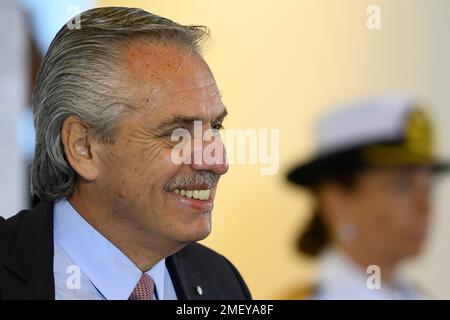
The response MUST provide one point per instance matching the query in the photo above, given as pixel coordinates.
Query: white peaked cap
(382, 131)
(369, 121)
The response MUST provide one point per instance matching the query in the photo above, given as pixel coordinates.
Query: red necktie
(144, 289)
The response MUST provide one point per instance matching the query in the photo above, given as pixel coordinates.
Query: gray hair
(80, 76)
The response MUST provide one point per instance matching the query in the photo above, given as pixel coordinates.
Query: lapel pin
(199, 290)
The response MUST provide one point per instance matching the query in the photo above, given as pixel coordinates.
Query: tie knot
(144, 289)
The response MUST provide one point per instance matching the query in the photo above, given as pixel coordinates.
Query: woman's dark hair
(317, 236)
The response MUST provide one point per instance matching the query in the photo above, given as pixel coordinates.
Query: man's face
(390, 209)
(171, 86)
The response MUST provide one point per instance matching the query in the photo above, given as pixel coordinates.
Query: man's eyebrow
(180, 121)
(222, 115)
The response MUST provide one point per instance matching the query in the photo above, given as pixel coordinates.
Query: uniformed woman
(371, 180)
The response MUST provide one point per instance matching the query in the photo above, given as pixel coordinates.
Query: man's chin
(201, 234)
(200, 231)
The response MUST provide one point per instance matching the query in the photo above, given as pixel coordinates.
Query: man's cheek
(165, 162)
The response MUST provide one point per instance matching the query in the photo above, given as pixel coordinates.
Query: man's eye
(218, 126)
(175, 131)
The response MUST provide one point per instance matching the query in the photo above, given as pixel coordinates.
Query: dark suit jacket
(26, 263)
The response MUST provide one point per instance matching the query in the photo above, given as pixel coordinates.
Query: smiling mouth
(202, 195)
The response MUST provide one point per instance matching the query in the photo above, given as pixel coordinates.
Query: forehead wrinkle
(148, 65)
(160, 104)
(185, 58)
(166, 75)
(188, 78)
(208, 91)
(159, 64)
(140, 63)
(195, 76)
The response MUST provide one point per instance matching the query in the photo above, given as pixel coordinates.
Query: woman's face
(389, 210)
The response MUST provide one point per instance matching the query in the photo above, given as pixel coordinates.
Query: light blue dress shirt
(88, 266)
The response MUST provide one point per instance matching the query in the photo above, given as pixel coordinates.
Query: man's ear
(78, 147)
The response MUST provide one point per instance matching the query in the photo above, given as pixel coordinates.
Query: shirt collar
(113, 274)
(339, 274)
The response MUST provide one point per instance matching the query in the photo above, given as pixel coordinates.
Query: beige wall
(281, 63)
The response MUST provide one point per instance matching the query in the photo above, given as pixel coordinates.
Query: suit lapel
(31, 258)
(177, 274)
(186, 282)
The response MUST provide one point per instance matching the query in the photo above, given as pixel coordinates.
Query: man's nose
(210, 156)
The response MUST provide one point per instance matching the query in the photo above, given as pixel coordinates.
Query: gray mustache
(205, 179)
